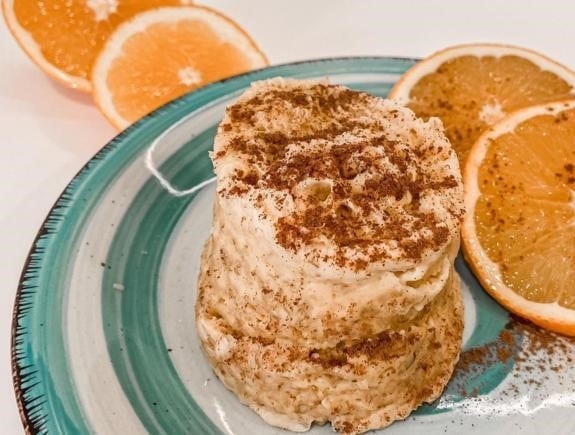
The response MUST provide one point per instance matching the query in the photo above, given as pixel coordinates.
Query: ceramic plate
(104, 339)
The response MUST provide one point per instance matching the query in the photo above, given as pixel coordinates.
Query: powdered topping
(353, 179)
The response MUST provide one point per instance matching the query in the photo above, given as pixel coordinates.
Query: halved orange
(470, 87)
(63, 37)
(519, 231)
(160, 54)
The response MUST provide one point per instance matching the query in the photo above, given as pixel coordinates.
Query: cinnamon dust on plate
(532, 355)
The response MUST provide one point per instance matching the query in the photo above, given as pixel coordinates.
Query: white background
(48, 132)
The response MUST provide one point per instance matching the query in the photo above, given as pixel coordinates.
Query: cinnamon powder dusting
(367, 185)
(535, 355)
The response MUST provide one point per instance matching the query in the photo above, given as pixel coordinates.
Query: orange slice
(471, 87)
(519, 231)
(63, 37)
(163, 53)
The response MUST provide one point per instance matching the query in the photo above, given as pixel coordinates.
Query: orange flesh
(146, 74)
(525, 214)
(466, 89)
(67, 32)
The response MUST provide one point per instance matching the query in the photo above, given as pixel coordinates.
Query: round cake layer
(257, 294)
(358, 385)
(337, 180)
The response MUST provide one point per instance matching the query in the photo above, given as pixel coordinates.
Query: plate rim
(19, 338)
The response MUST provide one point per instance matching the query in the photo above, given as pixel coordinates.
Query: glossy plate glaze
(104, 339)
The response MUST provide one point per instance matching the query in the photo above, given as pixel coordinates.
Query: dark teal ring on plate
(51, 396)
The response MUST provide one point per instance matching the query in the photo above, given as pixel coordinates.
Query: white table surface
(48, 132)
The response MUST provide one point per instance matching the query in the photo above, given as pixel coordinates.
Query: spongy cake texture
(327, 290)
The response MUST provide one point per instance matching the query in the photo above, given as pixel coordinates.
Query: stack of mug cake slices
(327, 290)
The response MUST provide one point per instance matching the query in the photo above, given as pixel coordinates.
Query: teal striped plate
(104, 339)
